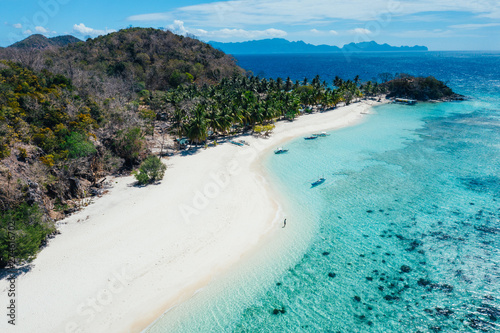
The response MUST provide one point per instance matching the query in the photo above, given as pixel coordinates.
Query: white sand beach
(134, 253)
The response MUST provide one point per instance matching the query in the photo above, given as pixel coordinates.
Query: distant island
(283, 46)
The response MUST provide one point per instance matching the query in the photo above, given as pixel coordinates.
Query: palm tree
(196, 128)
(178, 118)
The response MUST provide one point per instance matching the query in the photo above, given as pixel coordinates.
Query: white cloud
(241, 13)
(27, 32)
(83, 30)
(18, 25)
(240, 33)
(324, 32)
(360, 31)
(41, 30)
(178, 28)
(226, 33)
(436, 33)
(474, 26)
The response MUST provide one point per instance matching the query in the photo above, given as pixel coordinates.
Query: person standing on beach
(284, 223)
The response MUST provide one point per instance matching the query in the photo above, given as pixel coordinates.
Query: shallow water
(404, 235)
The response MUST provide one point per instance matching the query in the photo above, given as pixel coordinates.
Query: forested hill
(38, 41)
(141, 58)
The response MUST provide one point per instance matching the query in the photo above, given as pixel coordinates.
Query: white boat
(280, 150)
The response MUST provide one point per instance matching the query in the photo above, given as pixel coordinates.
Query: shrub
(22, 232)
(129, 144)
(151, 170)
(78, 145)
(263, 129)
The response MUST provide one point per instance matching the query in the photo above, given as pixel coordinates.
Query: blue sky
(438, 24)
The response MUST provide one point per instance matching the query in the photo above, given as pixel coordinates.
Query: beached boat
(280, 150)
(405, 101)
(312, 137)
(237, 143)
(318, 182)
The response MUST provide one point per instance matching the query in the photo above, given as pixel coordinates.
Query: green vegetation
(160, 60)
(38, 41)
(129, 144)
(22, 233)
(150, 171)
(419, 88)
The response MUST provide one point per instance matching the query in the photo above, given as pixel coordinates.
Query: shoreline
(120, 263)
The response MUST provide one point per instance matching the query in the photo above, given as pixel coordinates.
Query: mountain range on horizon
(283, 46)
(263, 46)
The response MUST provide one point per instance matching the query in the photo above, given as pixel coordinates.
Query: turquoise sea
(404, 235)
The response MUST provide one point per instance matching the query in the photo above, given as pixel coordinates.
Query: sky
(437, 24)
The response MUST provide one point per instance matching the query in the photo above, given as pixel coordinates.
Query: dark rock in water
(369, 278)
(405, 269)
(381, 210)
(362, 255)
(382, 279)
(369, 211)
(391, 298)
(413, 245)
(391, 285)
(278, 311)
(488, 230)
(444, 311)
(332, 275)
(423, 282)
(381, 288)
(383, 261)
(369, 307)
(278, 284)
(429, 311)
(406, 286)
(401, 237)
(370, 323)
(325, 253)
(435, 329)
(489, 310)
(357, 298)
(443, 287)
(480, 324)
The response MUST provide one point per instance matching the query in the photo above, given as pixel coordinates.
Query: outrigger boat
(237, 143)
(280, 150)
(310, 137)
(318, 182)
(322, 134)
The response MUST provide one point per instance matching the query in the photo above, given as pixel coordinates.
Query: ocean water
(404, 235)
